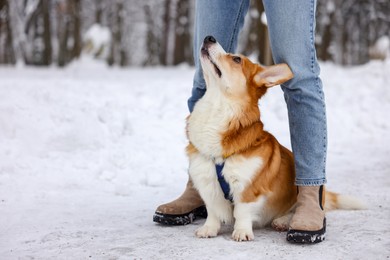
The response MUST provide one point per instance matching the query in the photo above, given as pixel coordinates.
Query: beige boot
(308, 223)
(183, 210)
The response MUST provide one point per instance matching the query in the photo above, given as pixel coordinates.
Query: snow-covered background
(88, 152)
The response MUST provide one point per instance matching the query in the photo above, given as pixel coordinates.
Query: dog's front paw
(242, 235)
(206, 232)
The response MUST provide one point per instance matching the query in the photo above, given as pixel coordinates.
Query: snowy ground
(87, 153)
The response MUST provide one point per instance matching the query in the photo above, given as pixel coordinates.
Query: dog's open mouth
(206, 53)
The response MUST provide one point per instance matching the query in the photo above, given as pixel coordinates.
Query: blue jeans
(291, 26)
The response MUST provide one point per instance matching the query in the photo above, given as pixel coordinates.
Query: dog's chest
(207, 123)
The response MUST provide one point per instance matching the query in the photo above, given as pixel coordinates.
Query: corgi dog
(225, 128)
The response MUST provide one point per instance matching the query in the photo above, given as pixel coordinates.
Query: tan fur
(190, 149)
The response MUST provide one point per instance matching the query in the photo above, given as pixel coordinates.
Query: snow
(381, 48)
(97, 40)
(264, 18)
(100, 35)
(88, 153)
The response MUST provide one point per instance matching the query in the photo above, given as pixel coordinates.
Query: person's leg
(292, 26)
(223, 20)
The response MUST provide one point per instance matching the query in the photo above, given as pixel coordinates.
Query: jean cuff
(308, 182)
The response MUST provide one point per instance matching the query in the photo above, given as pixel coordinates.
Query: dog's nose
(209, 39)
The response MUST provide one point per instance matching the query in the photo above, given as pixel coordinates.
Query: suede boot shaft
(309, 214)
(187, 202)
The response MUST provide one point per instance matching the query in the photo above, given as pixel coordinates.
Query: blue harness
(222, 182)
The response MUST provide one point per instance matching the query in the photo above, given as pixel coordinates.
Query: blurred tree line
(143, 33)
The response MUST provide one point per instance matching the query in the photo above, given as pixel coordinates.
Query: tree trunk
(98, 11)
(165, 36)
(118, 53)
(63, 35)
(121, 48)
(265, 54)
(76, 17)
(182, 36)
(47, 51)
(7, 53)
(152, 42)
(323, 50)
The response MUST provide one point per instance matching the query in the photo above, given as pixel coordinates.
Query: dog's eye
(237, 59)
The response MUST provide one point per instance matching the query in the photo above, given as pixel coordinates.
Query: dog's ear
(273, 75)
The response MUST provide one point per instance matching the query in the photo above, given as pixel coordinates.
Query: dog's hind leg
(282, 223)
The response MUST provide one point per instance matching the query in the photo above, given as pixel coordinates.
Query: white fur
(349, 202)
(239, 172)
(203, 174)
(209, 119)
(245, 215)
(243, 225)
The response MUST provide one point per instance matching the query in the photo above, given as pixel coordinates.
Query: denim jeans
(291, 26)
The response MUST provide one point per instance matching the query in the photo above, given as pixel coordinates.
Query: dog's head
(235, 75)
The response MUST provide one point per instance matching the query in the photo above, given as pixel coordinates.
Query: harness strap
(222, 182)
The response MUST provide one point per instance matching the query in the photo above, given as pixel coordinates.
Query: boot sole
(180, 220)
(306, 237)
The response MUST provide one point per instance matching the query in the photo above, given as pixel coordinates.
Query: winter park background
(92, 113)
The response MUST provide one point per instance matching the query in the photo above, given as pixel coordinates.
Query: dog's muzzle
(207, 42)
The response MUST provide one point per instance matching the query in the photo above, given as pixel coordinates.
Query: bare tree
(38, 30)
(76, 14)
(182, 49)
(7, 53)
(47, 50)
(118, 52)
(265, 54)
(99, 11)
(166, 24)
(152, 38)
(256, 41)
(347, 28)
(68, 31)
(325, 21)
(159, 32)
